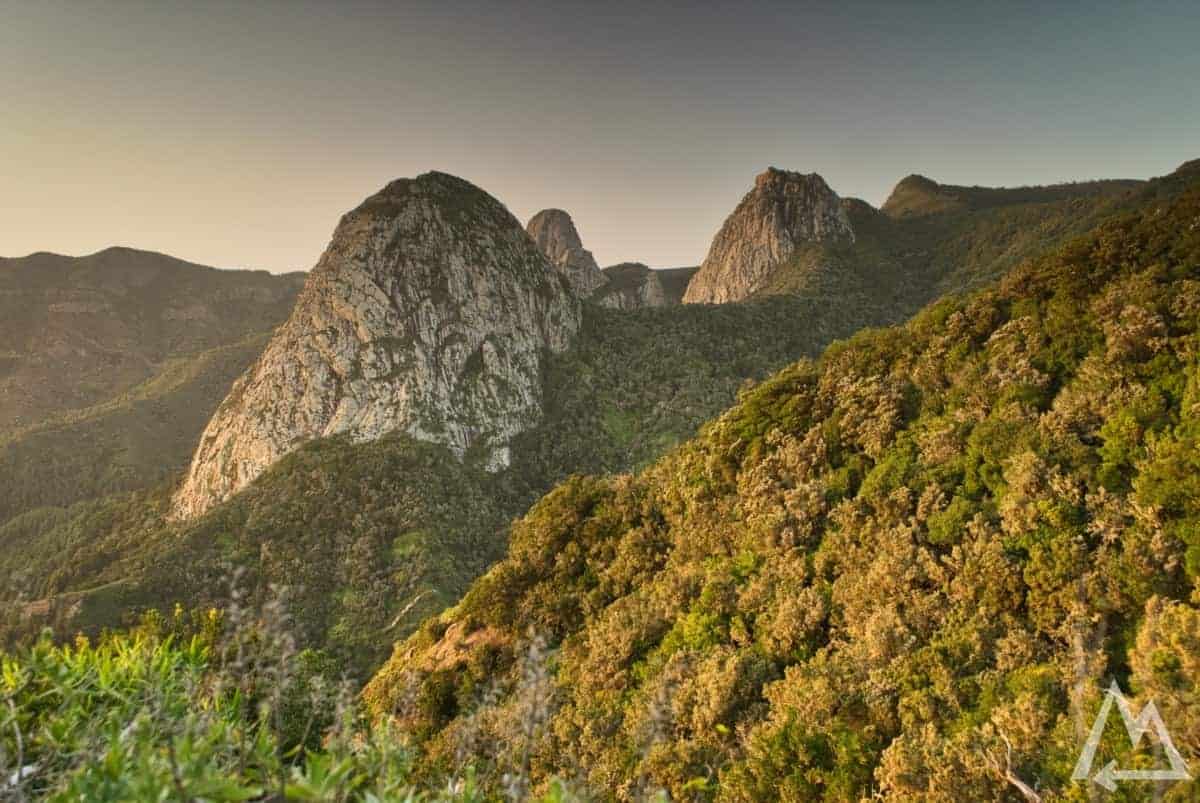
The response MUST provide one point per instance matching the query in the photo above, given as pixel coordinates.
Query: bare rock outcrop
(555, 234)
(429, 312)
(784, 211)
(631, 285)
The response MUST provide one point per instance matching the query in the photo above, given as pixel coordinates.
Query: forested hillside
(137, 439)
(78, 331)
(360, 531)
(908, 259)
(111, 365)
(906, 569)
(633, 385)
(599, 404)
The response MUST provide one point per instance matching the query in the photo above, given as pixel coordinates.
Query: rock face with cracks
(555, 234)
(429, 312)
(783, 212)
(632, 285)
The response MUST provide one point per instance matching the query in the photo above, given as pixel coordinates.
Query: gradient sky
(236, 134)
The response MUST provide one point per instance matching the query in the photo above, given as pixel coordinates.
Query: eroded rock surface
(429, 312)
(632, 285)
(555, 234)
(783, 211)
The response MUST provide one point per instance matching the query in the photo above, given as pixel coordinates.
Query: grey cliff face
(429, 312)
(782, 212)
(631, 285)
(556, 236)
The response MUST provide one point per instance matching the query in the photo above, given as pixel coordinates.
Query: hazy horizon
(236, 135)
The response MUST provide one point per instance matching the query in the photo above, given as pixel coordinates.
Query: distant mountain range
(78, 331)
(112, 363)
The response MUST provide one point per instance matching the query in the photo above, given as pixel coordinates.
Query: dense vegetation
(367, 538)
(138, 439)
(360, 531)
(634, 385)
(918, 196)
(903, 569)
(77, 332)
(907, 569)
(112, 364)
(637, 383)
(210, 707)
(904, 259)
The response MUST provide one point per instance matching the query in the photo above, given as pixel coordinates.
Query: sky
(236, 134)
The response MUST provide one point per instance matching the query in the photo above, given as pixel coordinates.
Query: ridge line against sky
(236, 134)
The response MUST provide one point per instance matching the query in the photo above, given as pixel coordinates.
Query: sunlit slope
(873, 570)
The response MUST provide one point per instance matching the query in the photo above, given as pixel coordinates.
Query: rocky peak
(429, 312)
(784, 211)
(556, 236)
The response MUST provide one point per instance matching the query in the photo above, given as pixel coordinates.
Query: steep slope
(138, 439)
(358, 531)
(633, 384)
(675, 282)
(428, 313)
(980, 231)
(79, 331)
(554, 232)
(631, 285)
(782, 213)
(114, 363)
(906, 570)
(368, 539)
(638, 382)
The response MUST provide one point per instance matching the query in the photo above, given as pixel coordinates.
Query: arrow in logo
(1136, 727)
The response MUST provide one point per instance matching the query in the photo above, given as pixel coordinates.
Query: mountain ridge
(117, 251)
(632, 386)
(659, 372)
(80, 330)
(917, 195)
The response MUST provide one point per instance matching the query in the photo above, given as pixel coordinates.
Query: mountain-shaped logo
(1136, 727)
